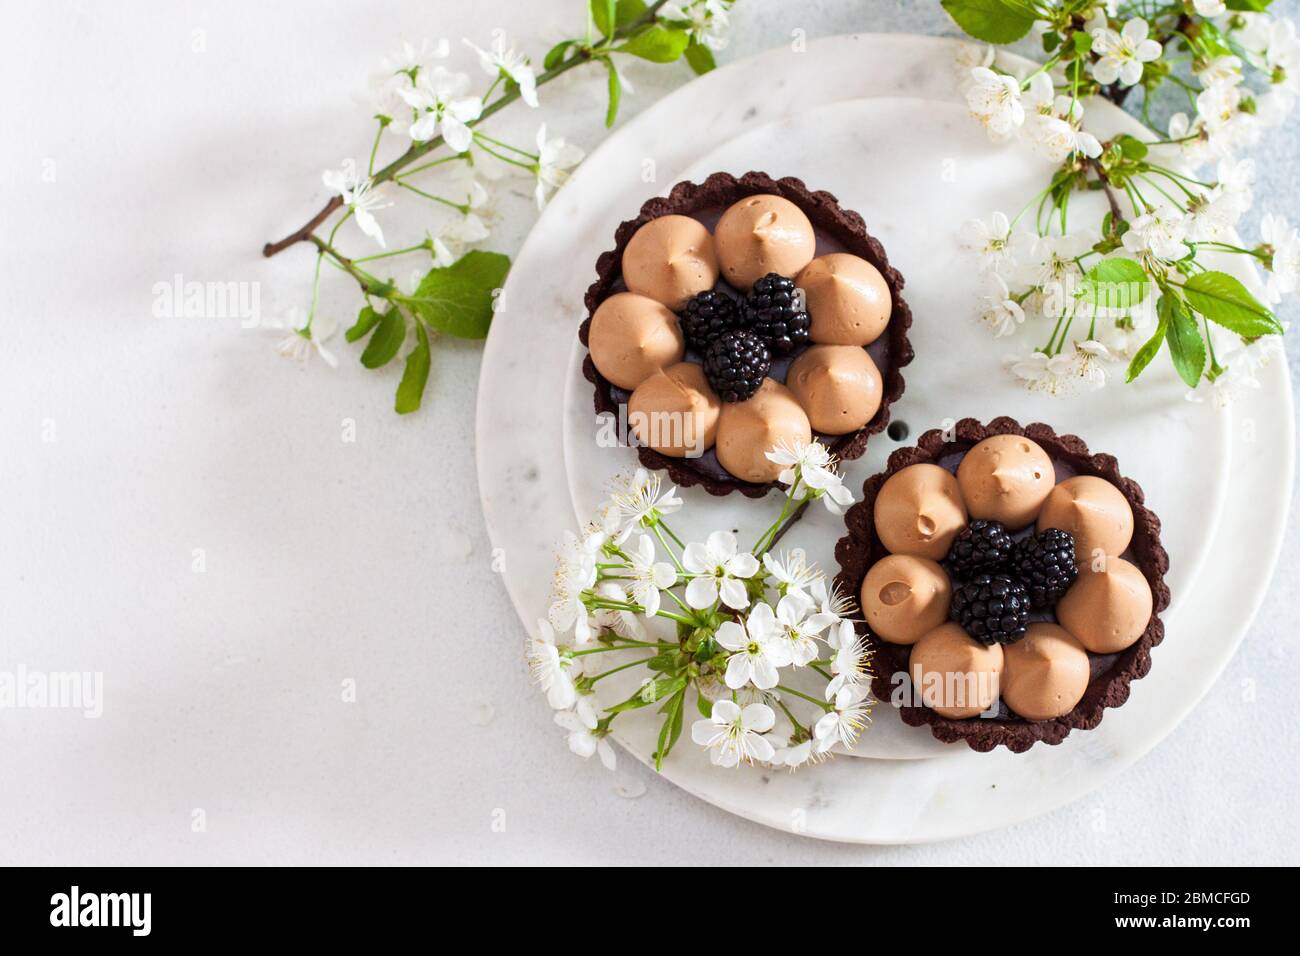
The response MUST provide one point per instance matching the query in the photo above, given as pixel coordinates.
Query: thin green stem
(462, 157)
(812, 700)
(621, 667)
(374, 150)
(459, 207)
(394, 252)
(504, 145)
(658, 533)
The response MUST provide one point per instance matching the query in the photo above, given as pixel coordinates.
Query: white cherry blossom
(555, 158)
(719, 572)
(550, 668)
(1001, 314)
(1040, 372)
(649, 577)
(584, 740)
(751, 660)
(503, 60)
(1284, 262)
(790, 632)
(795, 755)
(843, 724)
(639, 502)
(360, 195)
(1161, 232)
(791, 570)
(623, 623)
(413, 57)
(734, 734)
(994, 100)
(992, 240)
(297, 341)
(850, 665)
(1122, 55)
(439, 99)
(813, 463)
(706, 20)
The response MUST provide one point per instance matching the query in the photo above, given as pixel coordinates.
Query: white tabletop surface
(182, 513)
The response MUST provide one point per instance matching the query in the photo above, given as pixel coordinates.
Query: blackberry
(1045, 564)
(981, 546)
(707, 316)
(992, 608)
(774, 311)
(736, 364)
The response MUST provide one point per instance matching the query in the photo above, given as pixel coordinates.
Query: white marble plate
(1177, 450)
(527, 502)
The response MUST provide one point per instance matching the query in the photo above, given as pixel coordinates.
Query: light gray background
(181, 136)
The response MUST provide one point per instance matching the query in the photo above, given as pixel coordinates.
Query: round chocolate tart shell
(837, 230)
(1111, 674)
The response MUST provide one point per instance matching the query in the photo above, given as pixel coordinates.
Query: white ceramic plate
(1177, 450)
(528, 500)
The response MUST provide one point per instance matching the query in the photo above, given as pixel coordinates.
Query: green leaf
(458, 299)
(388, 337)
(1132, 147)
(1115, 284)
(1186, 347)
(1082, 41)
(367, 319)
(416, 374)
(603, 15)
(671, 730)
(1151, 348)
(628, 12)
(703, 704)
(615, 93)
(555, 54)
(665, 661)
(1222, 299)
(993, 21)
(700, 57)
(656, 44)
(1249, 6)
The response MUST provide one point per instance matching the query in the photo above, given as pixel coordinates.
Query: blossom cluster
(1140, 276)
(731, 628)
(434, 113)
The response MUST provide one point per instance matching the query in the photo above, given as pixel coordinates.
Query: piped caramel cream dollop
(748, 430)
(955, 675)
(675, 412)
(1006, 478)
(762, 234)
(1045, 673)
(1107, 610)
(632, 336)
(1094, 511)
(847, 299)
(905, 597)
(919, 510)
(670, 259)
(838, 386)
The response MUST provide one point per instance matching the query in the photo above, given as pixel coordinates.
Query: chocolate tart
(837, 230)
(1110, 674)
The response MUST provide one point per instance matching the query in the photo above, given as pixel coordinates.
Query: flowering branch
(429, 106)
(1138, 281)
(742, 618)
